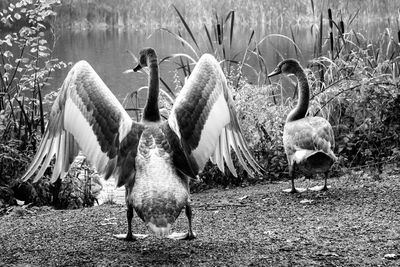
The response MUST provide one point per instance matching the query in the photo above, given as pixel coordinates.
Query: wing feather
(303, 137)
(205, 120)
(87, 116)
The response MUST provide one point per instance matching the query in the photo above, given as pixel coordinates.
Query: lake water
(106, 51)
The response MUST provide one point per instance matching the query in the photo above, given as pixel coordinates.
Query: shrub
(262, 121)
(360, 95)
(26, 66)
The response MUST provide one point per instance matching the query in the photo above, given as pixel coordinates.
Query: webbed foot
(295, 190)
(182, 236)
(130, 237)
(320, 188)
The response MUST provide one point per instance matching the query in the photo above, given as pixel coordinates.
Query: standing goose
(153, 158)
(308, 141)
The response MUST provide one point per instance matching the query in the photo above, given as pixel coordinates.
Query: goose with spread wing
(308, 141)
(154, 159)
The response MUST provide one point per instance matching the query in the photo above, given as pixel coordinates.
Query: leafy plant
(26, 65)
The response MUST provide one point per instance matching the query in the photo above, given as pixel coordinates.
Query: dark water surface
(106, 50)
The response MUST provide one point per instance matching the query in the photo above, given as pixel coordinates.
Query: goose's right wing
(87, 116)
(204, 119)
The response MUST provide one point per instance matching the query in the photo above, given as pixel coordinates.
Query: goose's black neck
(301, 108)
(151, 111)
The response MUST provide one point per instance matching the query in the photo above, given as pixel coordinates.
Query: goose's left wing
(87, 116)
(205, 121)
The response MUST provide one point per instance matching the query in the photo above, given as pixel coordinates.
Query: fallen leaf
(108, 223)
(109, 219)
(306, 201)
(244, 197)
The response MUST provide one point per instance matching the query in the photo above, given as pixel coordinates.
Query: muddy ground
(355, 223)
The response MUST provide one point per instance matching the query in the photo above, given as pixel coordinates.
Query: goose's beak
(137, 68)
(275, 72)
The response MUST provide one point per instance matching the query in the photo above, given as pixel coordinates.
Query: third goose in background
(308, 141)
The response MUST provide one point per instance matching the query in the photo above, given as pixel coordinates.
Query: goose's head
(145, 55)
(287, 66)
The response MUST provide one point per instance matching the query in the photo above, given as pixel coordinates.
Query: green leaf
(43, 54)
(186, 26)
(8, 54)
(8, 67)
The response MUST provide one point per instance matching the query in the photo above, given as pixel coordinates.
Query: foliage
(262, 121)
(353, 67)
(27, 64)
(79, 188)
(25, 67)
(358, 90)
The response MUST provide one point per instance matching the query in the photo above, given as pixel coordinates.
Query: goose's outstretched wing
(87, 116)
(204, 119)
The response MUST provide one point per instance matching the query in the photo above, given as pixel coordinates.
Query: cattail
(330, 18)
(219, 34)
(232, 23)
(398, 36)
(341, 24)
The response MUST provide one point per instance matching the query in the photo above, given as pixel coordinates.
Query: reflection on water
(106, 50)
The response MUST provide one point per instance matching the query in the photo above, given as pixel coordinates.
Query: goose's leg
(189, 214)
(322, 187)
(291, 174)
(190, 234)
(129, 236)
(129, 215)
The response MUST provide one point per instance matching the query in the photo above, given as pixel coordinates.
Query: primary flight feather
(153, 158)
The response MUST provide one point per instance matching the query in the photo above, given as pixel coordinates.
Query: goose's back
(309, 137)
(160, 191)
